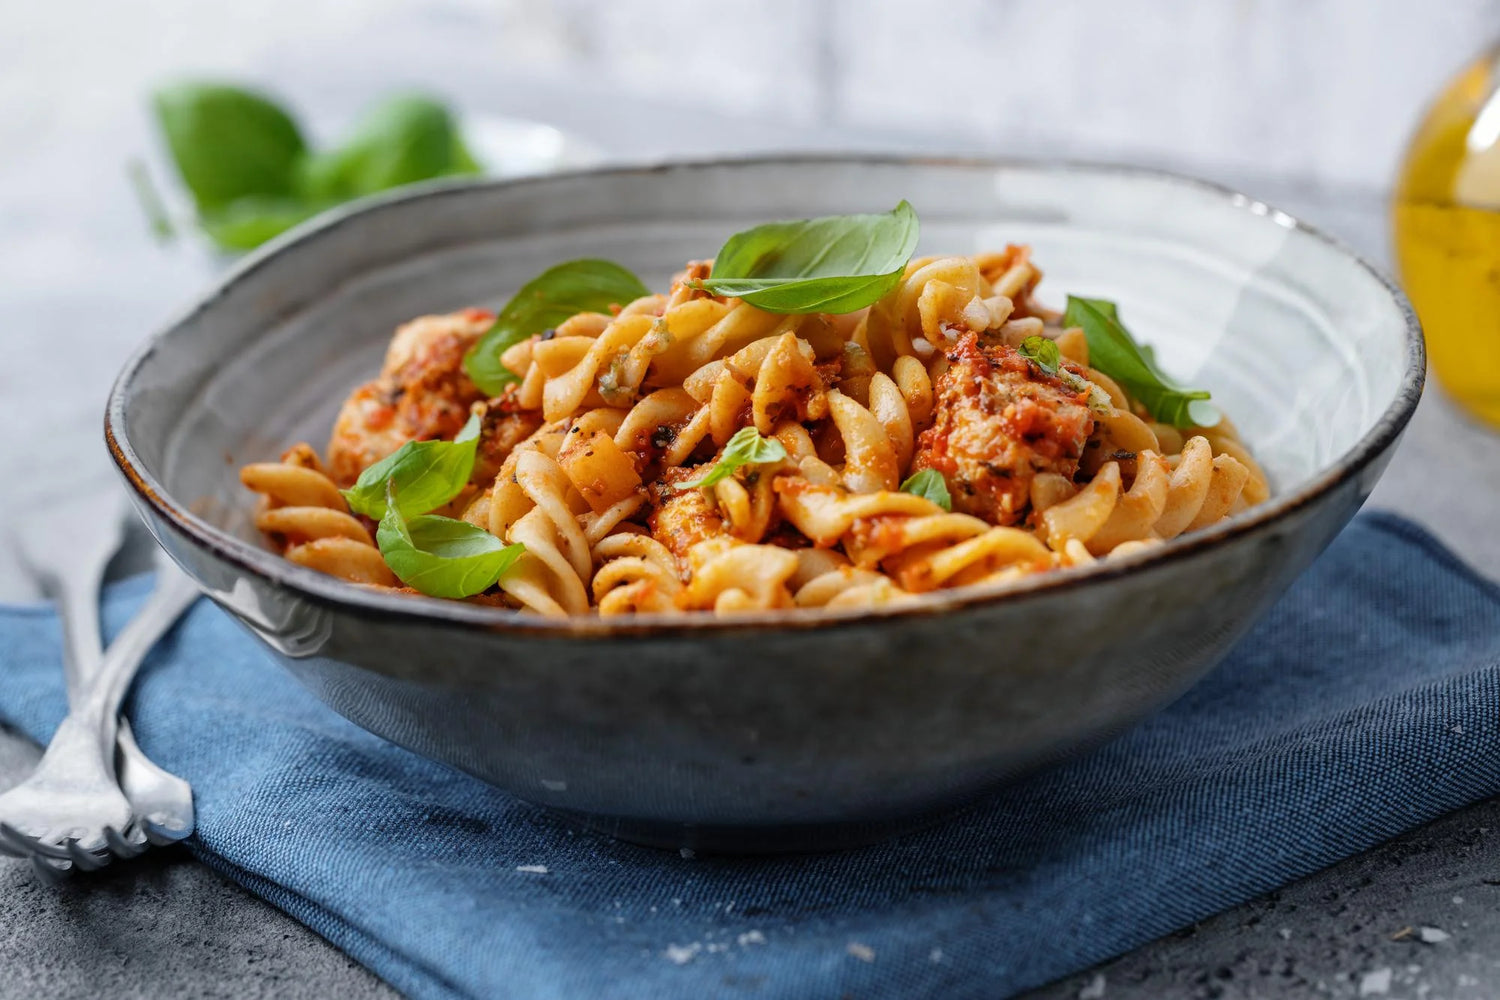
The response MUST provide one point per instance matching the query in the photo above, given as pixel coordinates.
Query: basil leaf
(1113, 351)
(930, 485)
(463, 161)
(1111, 310)
(228, 143)
(427, 473)
(406, 138)
(1041, 352)
(746, 447)
(440, 556)
(152, 207)
(545, 301)
(1045, 354)
(246, 223)
(252, 177)
(835, 264)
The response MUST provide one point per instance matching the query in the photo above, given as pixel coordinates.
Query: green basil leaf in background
(427, 474)
(247, 222)
(150, 200)
(746, 447)
(554, 295)
(930, 485)
(835, 264)
(441, 556)
(401, 140)
(463, 160)
(1113, 351)
(227, 142)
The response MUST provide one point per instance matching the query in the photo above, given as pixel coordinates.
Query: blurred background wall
(1320, 89)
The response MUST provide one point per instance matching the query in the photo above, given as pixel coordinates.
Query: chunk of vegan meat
(998, 420)
(682, 518)
(422, 393)
(504, 426)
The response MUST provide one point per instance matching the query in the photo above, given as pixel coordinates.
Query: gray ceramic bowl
(804, 729)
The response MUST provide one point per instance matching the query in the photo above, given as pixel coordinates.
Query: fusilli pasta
(302, 508)
(612, 458)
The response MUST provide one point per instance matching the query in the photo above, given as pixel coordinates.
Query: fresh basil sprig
(1042, 352)
(150, 201)
(929, 484)
(834, 264)
(554, 295)
(252, 175)
(247, 222)
(441, 556)
(1113, 351)
(403, 139)
(1045, 354)
(426, 473)
(228, 143)
(746, 447)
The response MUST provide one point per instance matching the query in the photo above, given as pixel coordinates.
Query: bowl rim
(368, 602)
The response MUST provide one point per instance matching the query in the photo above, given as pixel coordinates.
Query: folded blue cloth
(1364, 704)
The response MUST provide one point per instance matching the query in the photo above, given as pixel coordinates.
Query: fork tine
(122, 846)
(85, 860)
(54, 843)
(163, 836)
(49, 870)
(17, 842)
(98, 846)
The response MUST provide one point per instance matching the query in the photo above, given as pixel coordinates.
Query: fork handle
(105, 689)
(77, 596)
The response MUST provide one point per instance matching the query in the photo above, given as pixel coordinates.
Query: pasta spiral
(1167, 497)
(301, 507)
(636, 574)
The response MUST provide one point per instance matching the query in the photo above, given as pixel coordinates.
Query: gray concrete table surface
(82, 273)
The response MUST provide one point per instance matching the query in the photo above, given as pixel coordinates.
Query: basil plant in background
(252, 174)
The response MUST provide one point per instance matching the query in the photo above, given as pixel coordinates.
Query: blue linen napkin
(1363, 705)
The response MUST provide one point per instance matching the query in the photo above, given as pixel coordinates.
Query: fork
(95, 794)
(71, 812)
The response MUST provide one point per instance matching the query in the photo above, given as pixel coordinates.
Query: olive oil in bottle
(1447, 235)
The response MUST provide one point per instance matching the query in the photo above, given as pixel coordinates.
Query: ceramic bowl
(802, 729)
